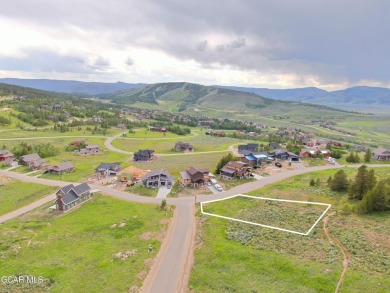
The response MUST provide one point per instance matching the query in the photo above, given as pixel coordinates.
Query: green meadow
(77, 251)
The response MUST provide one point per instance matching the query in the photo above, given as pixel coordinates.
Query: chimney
(59, 201)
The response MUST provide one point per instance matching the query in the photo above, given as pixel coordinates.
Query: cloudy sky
(331, 44)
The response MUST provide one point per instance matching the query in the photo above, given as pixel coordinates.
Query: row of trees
(43, 150)
(368, 194)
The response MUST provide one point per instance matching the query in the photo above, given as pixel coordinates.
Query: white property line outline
(262, 225)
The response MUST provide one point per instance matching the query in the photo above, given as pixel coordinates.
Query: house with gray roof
(158, 178)
(252, 147)
(183, 147)
(65, 167)
(33, 161)
(70, 196)
(107, 169)
(381, 154)
(143, 155)
(92, 149)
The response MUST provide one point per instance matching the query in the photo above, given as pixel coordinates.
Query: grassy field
(236, 257)
(76, 251)
(285, 215)
(144, 133)
(142, 190)
(201, 143)
(17, 194)
(5, 112)
(49, 132)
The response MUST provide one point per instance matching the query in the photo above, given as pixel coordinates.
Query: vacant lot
(78, 249)
(237, 257)
(286, 215)
(18, 194)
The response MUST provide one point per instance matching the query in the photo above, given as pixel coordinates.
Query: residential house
(274, 145)
(131, 174)
(61, 168)
(249, 160)
(158, 178)
(216, 133)
(183, 147)
(283, 154)
(235, 169)
(310, 153)
(158, 128)
(311, 143)
(12, 162)
(255, 158)
(5, 154)
(92, 149)
(253, 147)
(381, 154)
(71, 196)
(107, 169)
(121, 126)
(33, 161)
(143, 155)
(195, 176)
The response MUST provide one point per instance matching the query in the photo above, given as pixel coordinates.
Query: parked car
(218, 187)
(213, 181)
(278, 164)
(208, 183)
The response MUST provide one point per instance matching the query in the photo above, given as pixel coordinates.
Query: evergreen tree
(381, 197)
(371, 179)
(350, 158)
(362, 183)
(312, 182)
(339, 182)
(224, 160)
(378, 199)
(367, 156)
(329, 181)
(356, 158)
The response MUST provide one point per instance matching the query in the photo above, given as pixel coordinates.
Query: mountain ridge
(71, 86)
(358, 98)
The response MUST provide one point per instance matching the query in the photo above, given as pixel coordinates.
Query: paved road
(172, 267)
(28, 208)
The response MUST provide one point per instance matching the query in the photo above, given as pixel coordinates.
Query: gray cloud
(42, 60)
(334, 40)
(202, 46)
(129, 61)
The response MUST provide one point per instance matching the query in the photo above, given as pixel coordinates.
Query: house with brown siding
(381, 154)
(65, 167)
(235, 169)
(195, 176)
(5, 154)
